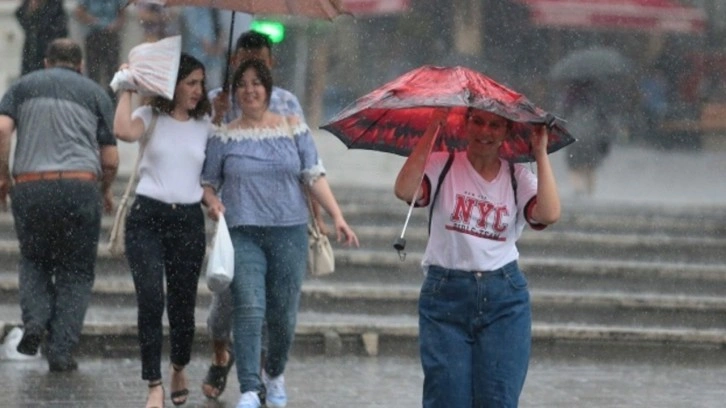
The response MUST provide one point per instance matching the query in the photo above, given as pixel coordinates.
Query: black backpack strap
(514, 188)
(445, 170)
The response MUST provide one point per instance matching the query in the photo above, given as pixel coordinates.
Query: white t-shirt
(171, 167)
(473, 223)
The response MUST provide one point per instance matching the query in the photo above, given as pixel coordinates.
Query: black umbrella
(591, 63)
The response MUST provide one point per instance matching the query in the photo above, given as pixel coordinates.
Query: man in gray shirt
(64, 163)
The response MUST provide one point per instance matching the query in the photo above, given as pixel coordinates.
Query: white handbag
(321, 260)
(220, 264)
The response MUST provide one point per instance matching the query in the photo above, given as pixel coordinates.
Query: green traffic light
(273, 29)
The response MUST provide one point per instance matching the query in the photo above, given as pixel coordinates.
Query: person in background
(165, 239)
(64, 148)
(103, 20)
(200, 39)
(595, 129)
(654, 102)
(250, 45)
(156, 20)
(474, 308)
(262, 165)
(42, 21)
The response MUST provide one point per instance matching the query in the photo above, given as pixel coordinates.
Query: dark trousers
(57, 223)
(102, 56)
(165, 241)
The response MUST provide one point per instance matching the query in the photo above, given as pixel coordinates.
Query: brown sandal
(217, 375)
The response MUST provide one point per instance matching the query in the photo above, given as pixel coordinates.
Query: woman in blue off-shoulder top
(257, 171)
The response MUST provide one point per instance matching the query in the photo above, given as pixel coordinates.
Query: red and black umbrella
(393, 118)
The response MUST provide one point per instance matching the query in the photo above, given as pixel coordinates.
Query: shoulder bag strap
(309, 199)
(445, 170)
(143, 141)
(514, 189)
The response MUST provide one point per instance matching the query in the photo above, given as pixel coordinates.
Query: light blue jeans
(269, 266)
(475, 333)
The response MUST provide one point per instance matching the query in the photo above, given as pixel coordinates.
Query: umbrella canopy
(322, 9)
(394, 117)
(591, 63)
(325, 9)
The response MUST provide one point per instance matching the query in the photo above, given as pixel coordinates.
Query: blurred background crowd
(662, 82)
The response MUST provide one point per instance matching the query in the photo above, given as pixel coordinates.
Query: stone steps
(546, 272)
(549, 306)
(363, 209)
(112, 332)
(636, 275)
(554, 243)
(561, 243)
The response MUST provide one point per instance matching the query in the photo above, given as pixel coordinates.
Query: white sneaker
(276, 396)
(250, 399)
(8, 350)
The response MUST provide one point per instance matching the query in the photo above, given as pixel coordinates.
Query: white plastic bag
(153, 68)
(220, 265)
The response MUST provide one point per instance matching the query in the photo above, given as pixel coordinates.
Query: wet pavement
(390, 381)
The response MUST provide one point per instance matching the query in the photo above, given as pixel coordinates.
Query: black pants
(102, 56)
(165, 241)
(57, 223)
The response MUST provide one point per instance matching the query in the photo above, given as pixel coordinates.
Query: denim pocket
(432, 285)
(516, 279)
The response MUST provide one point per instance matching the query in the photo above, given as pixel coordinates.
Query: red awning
(643, 15)
(363, 7)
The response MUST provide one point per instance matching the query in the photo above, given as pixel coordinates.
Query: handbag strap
(145, 137)
(314, 221)
(309, 199)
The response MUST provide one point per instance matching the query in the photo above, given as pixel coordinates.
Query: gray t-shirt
(61, 119)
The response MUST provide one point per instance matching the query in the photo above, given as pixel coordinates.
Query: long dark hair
(187, 65)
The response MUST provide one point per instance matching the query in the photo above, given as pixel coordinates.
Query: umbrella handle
(225, 86)
(400, 244)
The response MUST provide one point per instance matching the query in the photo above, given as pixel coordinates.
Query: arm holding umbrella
(409, 179)
(124, 127)
(408, 182)
(547, 209)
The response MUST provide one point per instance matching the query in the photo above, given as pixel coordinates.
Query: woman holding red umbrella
(474, 307)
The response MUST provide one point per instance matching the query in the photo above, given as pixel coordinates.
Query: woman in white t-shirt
(474, 308)
(165, 227)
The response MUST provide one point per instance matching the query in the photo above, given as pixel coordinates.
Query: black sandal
(154, 384)
(179, 397)
(217, 375)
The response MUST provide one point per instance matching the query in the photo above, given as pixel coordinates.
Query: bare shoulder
(7, 124)
(294, 120)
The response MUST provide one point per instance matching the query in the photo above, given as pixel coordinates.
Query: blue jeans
(269, 265)
(475, 332)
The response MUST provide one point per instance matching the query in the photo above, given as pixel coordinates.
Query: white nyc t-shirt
(473, 223)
